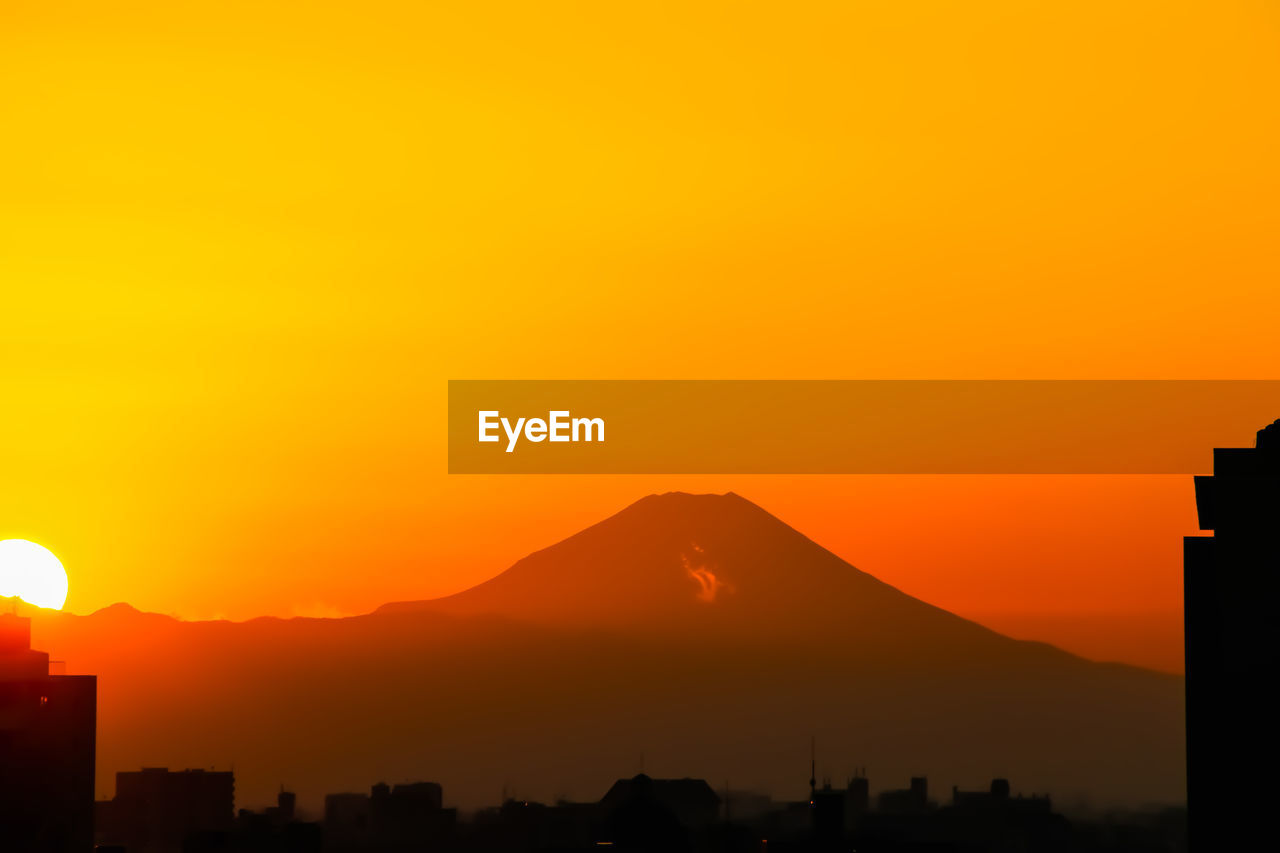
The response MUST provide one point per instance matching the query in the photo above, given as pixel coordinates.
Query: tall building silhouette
(47, 743)
(1231, 583)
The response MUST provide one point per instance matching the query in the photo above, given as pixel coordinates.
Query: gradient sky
(243, 245)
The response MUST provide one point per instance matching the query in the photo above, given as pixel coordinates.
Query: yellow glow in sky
(243, 245)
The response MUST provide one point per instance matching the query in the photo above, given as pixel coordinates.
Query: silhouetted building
(156, 810)
(692, 801)
(857, 799)
(347, 820)
(520, 825)
(284, 809)
(1231, 585)
(644, 814)
(275, 829)
(990, 821)
(828, 806)
(47, 733)
(910, 800)
(679, 816)
(998, 799)
(403, 817)
(280, 814)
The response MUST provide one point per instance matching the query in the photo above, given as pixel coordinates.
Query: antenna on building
(813, 765)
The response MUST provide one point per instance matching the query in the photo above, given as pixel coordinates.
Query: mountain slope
(719, 564)
(554, 677)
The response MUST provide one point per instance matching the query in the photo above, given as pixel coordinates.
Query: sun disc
(31, 572)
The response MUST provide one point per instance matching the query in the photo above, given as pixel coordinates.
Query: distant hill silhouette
(696, 630)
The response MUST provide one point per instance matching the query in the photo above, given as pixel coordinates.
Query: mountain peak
(690, 498)
(119, 607)
(704, 560)
(676, 507)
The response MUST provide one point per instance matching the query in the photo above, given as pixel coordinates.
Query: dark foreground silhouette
(47, 747)
(157, 811)
(1233, 647)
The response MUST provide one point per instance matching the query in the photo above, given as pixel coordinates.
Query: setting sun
(31, 572)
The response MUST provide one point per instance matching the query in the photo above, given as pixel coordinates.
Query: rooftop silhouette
(1232, 587)
(188, 812)
(47, 748)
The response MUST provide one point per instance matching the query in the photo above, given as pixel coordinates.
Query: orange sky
(243, 245)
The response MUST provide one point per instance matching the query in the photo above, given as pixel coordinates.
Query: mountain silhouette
(696, 630)
(722, 565)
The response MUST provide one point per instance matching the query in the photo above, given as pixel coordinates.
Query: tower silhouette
(47, 740)
(1230, 588)
(813, 765)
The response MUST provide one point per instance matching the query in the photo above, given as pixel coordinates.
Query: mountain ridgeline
(697, 631)
(718, 566)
